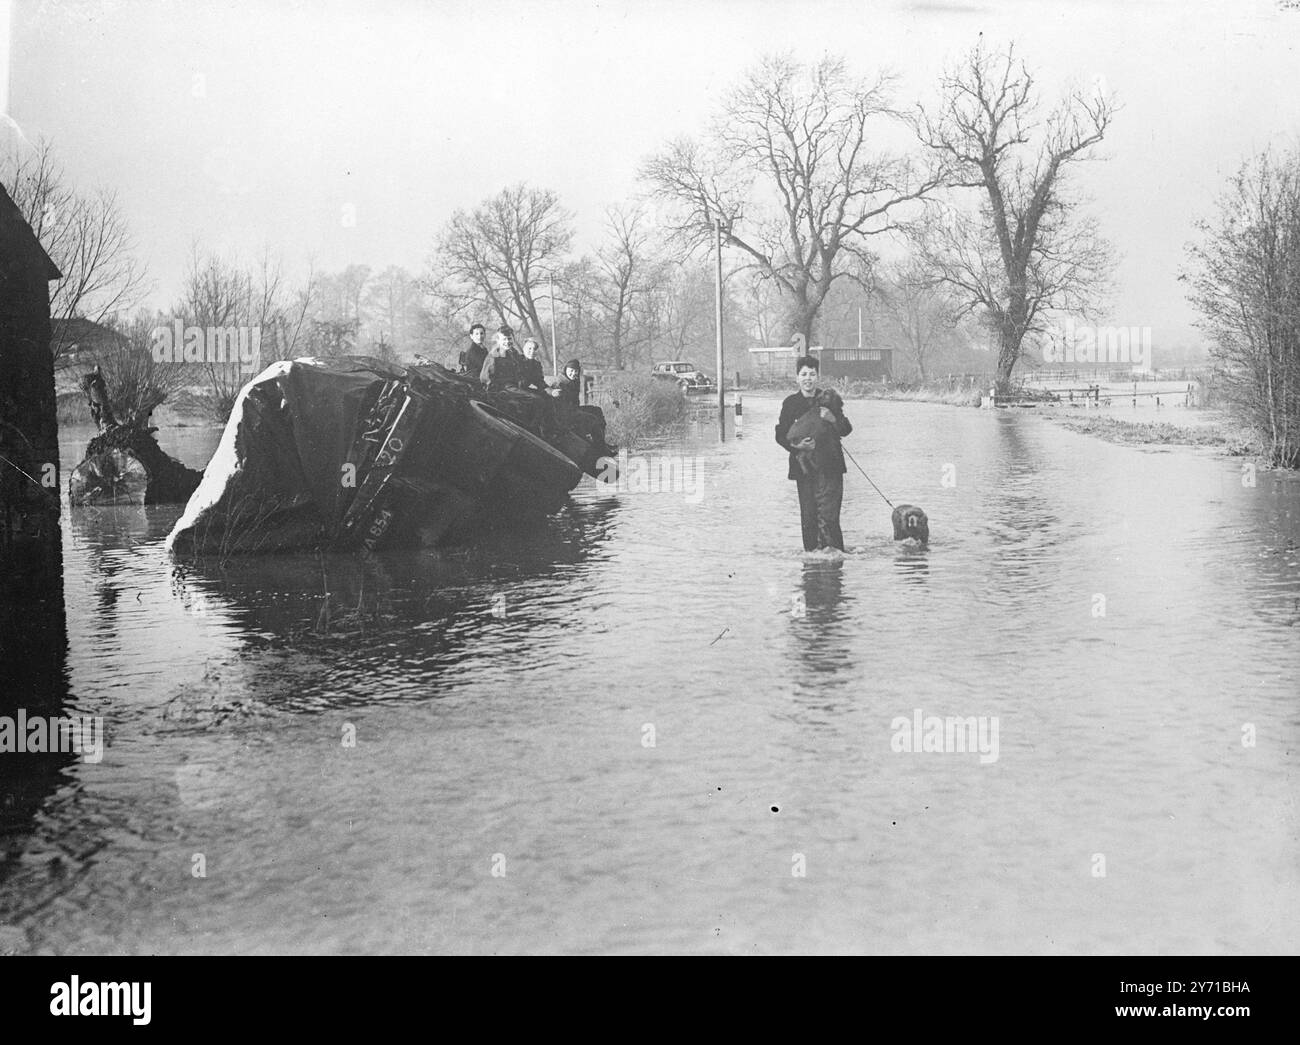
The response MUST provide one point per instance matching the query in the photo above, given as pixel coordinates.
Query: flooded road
(654, 724)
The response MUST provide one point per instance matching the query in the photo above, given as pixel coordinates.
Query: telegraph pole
(717, 322)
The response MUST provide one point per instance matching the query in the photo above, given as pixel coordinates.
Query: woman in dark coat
(531, 374)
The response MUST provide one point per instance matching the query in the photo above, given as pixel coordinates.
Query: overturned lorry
(353, 453)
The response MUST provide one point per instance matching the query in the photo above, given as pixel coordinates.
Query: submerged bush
(638, 405)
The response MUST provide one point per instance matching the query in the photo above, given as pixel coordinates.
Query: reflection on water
(650, 708)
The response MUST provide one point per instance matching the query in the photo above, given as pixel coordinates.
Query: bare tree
(918, 314)
(216, 294)
(220, 293)
(502, 252)
(580, 320)
(137, 384)
(396, 316)
(329, 338)
(626, 272)
(343, 295)
(791, 172)
(85, 235)
(679, 313)
(288, 328)
(1245, 282)
(1028, 250)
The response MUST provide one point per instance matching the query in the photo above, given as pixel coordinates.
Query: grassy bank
(952, 395)
(1233, 441)
(955, 393)
(1229, 439)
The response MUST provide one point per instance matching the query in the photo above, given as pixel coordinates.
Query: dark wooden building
(853, 364)
(32, 629)
(858, 364)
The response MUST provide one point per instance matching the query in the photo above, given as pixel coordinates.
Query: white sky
(246, 123)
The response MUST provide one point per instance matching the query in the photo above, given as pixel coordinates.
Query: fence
(1095, 395)
(1105, 375)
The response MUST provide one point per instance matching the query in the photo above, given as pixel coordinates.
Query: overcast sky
(256, 122)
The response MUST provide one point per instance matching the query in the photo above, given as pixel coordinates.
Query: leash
(867, 477)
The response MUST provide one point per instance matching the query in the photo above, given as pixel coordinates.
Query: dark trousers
(820, 497)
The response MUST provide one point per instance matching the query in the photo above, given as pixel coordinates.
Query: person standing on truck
(500, 371)
(473, 358)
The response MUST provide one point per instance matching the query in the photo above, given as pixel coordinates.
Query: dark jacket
(829, 450)
(531, 374)
(473, 358)
(571, 391)
(499, 372)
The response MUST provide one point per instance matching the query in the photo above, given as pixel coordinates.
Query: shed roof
(18, 240)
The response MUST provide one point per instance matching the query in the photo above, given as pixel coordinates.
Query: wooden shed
(855, 364)
(29, 434)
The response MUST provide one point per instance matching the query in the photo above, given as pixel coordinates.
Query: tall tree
(393, 305)
(790, 169)
(85, 235)
(679, 314)
(501, 253)
(625, 275)
(221, 292)
(1027, 250)
(1245, 282)
(918, 316)
(341, 297)
(217, 292)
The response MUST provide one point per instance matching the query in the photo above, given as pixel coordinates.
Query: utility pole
(555, 357)
(717, 321)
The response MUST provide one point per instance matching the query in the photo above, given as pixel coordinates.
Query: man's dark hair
(477, 326)
(505, 329)
(804, 361)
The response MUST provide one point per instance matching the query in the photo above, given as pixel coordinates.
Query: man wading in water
(821, 487)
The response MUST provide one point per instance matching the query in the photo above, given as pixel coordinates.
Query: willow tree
(794, 168)
(1023, 249)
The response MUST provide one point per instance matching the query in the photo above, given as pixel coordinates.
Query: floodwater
(654, 724)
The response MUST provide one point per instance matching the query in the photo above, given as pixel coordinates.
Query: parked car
(688, 376)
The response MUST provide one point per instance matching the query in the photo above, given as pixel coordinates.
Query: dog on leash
(911, 521)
